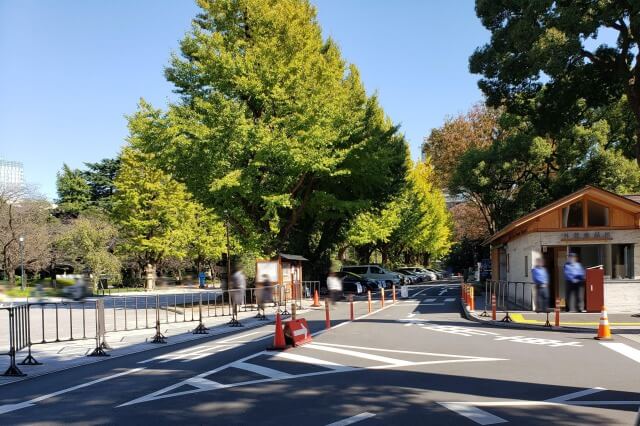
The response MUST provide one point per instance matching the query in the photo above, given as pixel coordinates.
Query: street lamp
(21, 244)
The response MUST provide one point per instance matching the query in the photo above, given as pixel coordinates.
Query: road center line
(623, 349)
(12, 407)
(352, 420)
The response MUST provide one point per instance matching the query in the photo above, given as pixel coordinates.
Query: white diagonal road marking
(352, 420)
(623, 349)
(473, 413)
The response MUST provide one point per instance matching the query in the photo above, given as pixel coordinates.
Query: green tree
(74, 194)
(89, 241)
(545, 47)
(100, 177)
(274, 127)
(209, 242)
(155, 214)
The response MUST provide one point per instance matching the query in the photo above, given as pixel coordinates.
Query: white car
(374, 272)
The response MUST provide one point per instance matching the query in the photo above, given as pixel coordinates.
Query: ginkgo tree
(272, 126)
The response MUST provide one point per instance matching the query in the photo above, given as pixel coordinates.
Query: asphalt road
(413, 362)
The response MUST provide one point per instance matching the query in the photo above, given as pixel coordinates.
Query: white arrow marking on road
(444, 290)
(303, 331)
(352, 420)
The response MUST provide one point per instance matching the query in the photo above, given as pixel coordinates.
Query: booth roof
(292, 257)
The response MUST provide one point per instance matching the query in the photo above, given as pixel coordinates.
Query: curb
(472, 316)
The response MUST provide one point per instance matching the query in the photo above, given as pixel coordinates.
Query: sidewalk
(586, 321)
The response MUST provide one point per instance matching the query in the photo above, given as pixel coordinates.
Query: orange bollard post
(369, 299)
(316, 299)
(472, 303)
(382, 297)
(327, 319)
(393, 289)
(493, 307)
(557, 312)
(351, 306)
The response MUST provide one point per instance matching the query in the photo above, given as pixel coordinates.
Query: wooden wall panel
(619, 217)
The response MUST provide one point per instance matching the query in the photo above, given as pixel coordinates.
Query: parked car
(414, 277)
(439, 274)
(404, 277)
(425, 274)
(351, 282)
(374, 272)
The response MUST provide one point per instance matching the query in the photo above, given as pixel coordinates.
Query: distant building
(11, 174)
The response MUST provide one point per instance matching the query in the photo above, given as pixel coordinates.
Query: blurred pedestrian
(264, 294)
(237, 290)
(574, 275)
(334, 285)
(541, 280)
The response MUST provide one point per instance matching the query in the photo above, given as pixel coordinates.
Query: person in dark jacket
(540, 278)
(574, 275)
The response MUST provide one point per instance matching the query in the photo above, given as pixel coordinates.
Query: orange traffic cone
(279, 342)
(316, 299)
(604, 332)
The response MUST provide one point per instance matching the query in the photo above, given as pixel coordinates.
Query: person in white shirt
(334, 285)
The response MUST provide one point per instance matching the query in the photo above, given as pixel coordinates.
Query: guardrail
(511, 294)
(52, 322)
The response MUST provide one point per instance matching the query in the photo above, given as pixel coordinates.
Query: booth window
(621, 261)
(598, 215)
(572, 216)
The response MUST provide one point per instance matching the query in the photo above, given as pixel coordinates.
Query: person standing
(541, 280)
(574, 275)
(334, 285)
(237, 290)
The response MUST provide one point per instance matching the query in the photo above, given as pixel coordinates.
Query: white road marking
(263, 371)
(12, 407)
(575, 395)
(429, 300)
(473, 413)
(356, 354)
(403, 352)
(411, 315)
(563, 400)
(242, 336)
(310, 360)
(352, 420)
(443, 291)
(450, 299)
(200, 381)
(623, 349)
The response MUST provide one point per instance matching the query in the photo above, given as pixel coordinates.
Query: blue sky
(71, 70)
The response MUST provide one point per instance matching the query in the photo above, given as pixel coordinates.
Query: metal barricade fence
(52, 322)
(19, 338)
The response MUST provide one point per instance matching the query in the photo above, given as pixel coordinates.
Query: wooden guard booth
(284, 269)
(601, 227)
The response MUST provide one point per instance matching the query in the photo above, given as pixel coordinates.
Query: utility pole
(21, 244)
